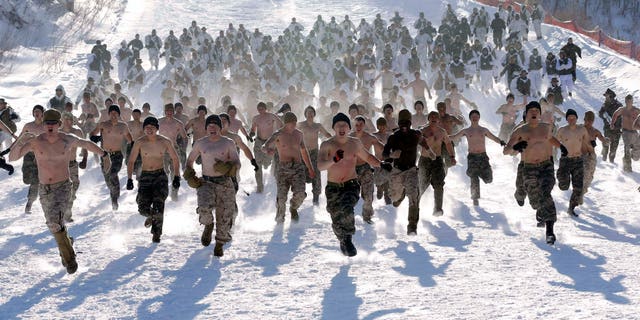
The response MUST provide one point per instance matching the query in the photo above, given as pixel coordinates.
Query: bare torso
(573, 138)
(112, 135)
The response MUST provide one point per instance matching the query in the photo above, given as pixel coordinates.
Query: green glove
(192, 180)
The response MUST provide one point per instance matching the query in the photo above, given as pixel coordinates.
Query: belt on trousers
(219, 179)
(51, 186)
(627, 130)
(535, 165)
(347, 183)
(153, 171)
(72, 163)
(113, 153)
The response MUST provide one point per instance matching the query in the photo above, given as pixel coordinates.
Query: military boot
(437, 206)
(67, 254)
(414, 216)
(206, 235)
(295, 217)
(218, 251)
(347, 247)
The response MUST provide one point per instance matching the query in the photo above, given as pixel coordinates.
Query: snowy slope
(472, 263)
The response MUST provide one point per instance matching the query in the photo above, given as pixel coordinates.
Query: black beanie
(213, 119)
(571, 112)
(151, 121)
(340, 117)
(532, 105)
(114, 107)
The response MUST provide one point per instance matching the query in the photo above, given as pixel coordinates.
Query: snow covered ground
(473, 263)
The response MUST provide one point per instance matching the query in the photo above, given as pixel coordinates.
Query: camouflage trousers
(539, 181)
(217, 193)
(75, 181)
(263, 160)
(432, 172)
(111, 178)
(153, 189)
(590, 161)
(54, 199)
(571, 171)
(365, 179)
(291, 175)
(341, 198)
(505, 131)
(478, 167)
(316, 184)
(381, 179)
(30, 176)
(521, 191)
(614, 140)
(631, 148)
(447, 157)
(405, 183)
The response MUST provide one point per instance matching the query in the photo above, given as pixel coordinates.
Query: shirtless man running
(363, 169)
(53, 149)
(294, 159)
(29, 164)
(171, 128)
(478, 166)
(628, 113)
(311, 131)
(571, 169)
(215, 189)
(432, 171)
(152, 182)
(535, 141)
(262, 127)
(338, 156)
(112, 132)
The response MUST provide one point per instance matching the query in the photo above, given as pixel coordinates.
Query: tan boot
(67, 253)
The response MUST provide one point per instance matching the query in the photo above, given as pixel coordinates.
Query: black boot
(294, 215)
(347, 247)
(206, 235)
(67, 254)
(551, 237)
(218, 251)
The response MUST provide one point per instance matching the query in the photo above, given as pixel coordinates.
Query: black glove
(95, 139)
(176, 182)
(386, 166)
(502, 143)
(339, 155)
(129, 184)
(250, 138)
(563, 150)
(5, 152)
(520, 146)
(83, 163)
(255, 165)
(593, 143)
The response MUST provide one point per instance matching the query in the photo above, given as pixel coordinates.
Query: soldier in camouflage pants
(539, 181)
(111, 178)
(571, 170)
(365, 179)
(263, 160)
(75, 180)
(217, 193)
(432, 172)
(54, 199)
(153, 189)
(478, 167)
(381, 181)
(30, 177)
(291, 175)
(341, 198)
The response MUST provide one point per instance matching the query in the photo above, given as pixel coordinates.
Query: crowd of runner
(346, 99)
